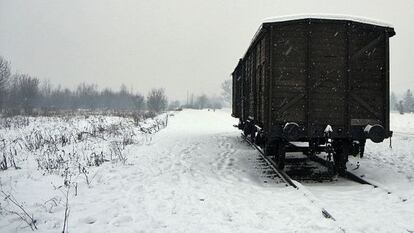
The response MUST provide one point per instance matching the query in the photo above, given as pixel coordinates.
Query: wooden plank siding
(367, 71)
(315, 72)
(327, 80)
(313, 65)
(288, 51)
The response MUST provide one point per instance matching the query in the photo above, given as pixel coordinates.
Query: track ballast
(286, 179)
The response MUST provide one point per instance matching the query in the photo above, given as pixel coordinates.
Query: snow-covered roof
(327, 16)
(319, 16)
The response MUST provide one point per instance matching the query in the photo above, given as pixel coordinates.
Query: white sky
(179, 45)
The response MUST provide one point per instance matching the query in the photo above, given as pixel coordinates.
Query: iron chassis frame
(288, 137)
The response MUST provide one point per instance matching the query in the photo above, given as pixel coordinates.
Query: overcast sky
(179, 45)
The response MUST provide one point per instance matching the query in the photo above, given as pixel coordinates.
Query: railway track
(286, 178)
(327, 164)
(348, 175)
(351, 176)
(288, 181)
(297, 185)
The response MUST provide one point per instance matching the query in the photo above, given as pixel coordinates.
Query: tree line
(213, 102)
(25, 94)
(404, 104)
(203, 101)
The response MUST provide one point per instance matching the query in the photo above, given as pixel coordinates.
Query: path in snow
(196, 176)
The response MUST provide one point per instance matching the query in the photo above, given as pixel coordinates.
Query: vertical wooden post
(308, 77)
(347, 81)
(270, 79)
(386, 72)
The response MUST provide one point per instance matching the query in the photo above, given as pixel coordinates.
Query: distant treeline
(404, 104)
(24, 94)
(213, 102)
(203, 101)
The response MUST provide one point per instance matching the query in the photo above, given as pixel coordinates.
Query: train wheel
(281, 155)
(253, 134)
(240, 125)
(361, 148)
(259, 139)
(342, 150)
(268, 150)
(246, 129)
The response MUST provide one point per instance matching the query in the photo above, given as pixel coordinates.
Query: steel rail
(285, 177)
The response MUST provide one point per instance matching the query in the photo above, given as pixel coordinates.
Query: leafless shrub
(81, 135)
(84, 170)
(70, 146)
(17, 122)
(67, 184)
(12, 157)
(64, 140)
(127, 139)
(98, 158)
(19, 210)
(3, 163)
(157, 100)
(137, 118)
(114, 130)
(52, 160)
(149, 115)
(67, 211)
(8, 157)
(117, 152)
(52, 203)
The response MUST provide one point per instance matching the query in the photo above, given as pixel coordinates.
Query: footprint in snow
(88, 220)
(121, 220)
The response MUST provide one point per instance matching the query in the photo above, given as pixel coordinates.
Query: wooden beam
(371, 45)
(348, 79)
(307, 91)
(290, 104)
(365, 105)
(308, 77)
(387, 83)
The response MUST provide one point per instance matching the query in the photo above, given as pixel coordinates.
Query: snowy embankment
(392, 163)
(43, 159)
(362, 208)
(197, 175)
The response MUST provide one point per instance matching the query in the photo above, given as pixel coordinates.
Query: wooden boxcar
(321, 80)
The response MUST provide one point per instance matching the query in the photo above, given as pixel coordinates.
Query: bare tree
(87, 94)
(226, 87)
(157, 100)
(139, 102)
(24, 92)
(45, 101)
(4, 79)
(202, 101)
(400, 107)
(409, 101)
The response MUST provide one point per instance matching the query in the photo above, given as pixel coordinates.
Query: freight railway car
(315, 84)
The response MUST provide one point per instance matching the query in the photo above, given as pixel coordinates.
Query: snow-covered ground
(197, 175)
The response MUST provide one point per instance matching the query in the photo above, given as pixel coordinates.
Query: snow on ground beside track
(363, 208)
(197, 175)
(402, 123)
(392, 167)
